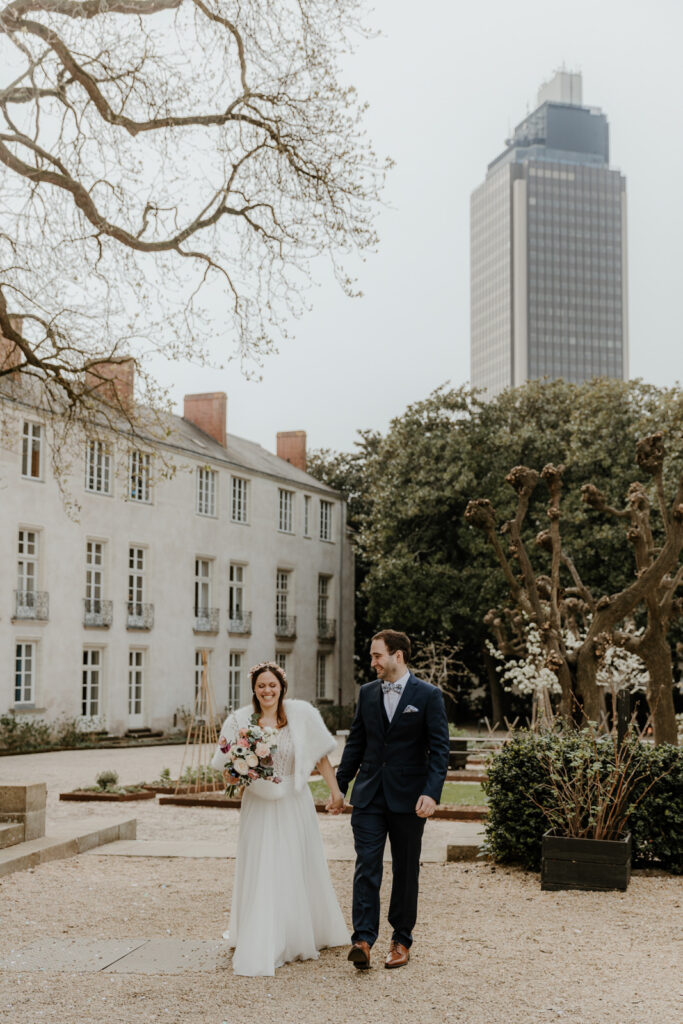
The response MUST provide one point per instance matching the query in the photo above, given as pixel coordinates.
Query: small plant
(107, 780)
(191, 775)
(591, 785)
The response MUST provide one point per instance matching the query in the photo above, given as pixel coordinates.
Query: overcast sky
(446, 82)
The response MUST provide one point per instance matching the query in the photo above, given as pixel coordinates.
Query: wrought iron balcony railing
(327, 629)
(206, 620)
(140, 616)
(285, 626)
(32, 604)
(240, 623)
(97, 613)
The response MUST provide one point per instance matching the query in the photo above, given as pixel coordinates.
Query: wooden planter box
(143, 794)
(597, 864)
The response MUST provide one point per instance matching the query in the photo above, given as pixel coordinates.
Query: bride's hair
(254, 673)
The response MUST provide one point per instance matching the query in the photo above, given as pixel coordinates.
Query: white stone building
(240, 554)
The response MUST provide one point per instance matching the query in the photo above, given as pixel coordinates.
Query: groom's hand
(425, 806)
(335, 806)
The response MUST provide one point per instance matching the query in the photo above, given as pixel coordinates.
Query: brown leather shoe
(398, 955)
(359, 955)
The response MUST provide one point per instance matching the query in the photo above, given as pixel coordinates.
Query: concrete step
(11, 833)
(77, 839)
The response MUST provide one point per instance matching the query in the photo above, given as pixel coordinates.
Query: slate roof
(240, 453)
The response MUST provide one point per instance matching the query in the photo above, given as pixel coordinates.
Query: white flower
(240, 766)
(252, 760)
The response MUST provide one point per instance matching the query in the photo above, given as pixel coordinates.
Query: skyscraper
(548, 250)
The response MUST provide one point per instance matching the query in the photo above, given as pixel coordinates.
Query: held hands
(335, 804)
(425, 806)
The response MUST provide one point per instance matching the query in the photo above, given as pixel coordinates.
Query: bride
(283, 904)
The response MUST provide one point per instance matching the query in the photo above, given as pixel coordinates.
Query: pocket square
(411, 707)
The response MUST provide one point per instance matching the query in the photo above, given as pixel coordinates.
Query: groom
(398, 745)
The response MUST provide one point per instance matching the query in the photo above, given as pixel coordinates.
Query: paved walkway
(175, 830)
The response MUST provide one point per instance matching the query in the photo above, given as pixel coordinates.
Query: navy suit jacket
(406, 757)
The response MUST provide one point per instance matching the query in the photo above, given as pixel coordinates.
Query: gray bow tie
(392, 688)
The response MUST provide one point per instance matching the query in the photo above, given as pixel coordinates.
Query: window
(282, 597)
(321, 677)
(24, 672)
(239, 507)
(307, 515)
(136, 678)
(323, 600)
(98, 467)
(236, 592)
(234, 679)
(281, 660)
(91, 681)
(94, 575)
(206, 492)
(199, 657)
(202, 587)
(31, 451)
(139, 464)
(136, 581)
(326, 520)
(27, 567)
(285, 511)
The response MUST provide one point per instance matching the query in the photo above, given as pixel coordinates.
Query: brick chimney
(208, 412)
(113, 381)
(291, 446)
(10, 355)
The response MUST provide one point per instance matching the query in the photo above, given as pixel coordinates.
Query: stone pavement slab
(120, 956)
(69, 954)
(463, 835)
(77, 839)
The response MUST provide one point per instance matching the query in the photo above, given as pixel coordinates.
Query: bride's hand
(335, 804)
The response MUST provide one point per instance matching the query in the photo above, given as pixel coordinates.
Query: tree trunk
(495, 690)
(656, 653)
(588, 692)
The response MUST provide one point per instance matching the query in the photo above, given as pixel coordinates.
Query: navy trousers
(371, 826)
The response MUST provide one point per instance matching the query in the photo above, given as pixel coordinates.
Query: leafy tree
(426, 571)
(169, 171)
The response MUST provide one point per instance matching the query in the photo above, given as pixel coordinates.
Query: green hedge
(518, 773)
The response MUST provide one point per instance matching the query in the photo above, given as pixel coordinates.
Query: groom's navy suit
(396, 762)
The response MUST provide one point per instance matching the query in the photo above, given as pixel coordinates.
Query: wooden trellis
(202, 740)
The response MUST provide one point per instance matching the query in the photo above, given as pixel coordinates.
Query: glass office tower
(548, 250)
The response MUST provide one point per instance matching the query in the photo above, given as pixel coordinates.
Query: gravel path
(490, 947)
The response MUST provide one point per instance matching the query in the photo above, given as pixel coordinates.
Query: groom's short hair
(395, 641)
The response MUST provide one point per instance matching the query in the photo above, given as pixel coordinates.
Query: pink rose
(253, 774)
(262, 750)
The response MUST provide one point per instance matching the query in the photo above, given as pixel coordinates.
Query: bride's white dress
(283, 904)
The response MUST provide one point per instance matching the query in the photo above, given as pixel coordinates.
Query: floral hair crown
(279, 671)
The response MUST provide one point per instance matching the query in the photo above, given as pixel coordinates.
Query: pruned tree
(170, 170)
(556, 603)
(438, 661)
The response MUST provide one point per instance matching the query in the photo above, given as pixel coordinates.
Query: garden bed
(449, 812)
(84, 794)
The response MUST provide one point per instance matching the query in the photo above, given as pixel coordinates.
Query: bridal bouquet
(250, 755)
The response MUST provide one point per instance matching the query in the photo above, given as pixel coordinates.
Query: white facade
(105, 615)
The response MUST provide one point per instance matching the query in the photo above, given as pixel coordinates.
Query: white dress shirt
(391, 699)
